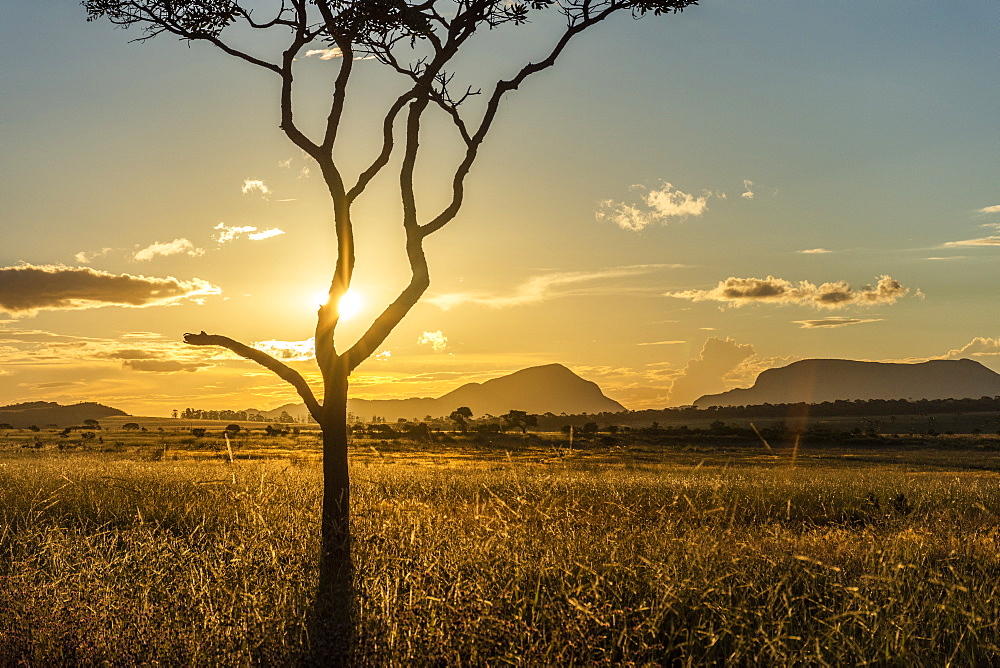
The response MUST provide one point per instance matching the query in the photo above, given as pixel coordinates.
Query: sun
(350, 304)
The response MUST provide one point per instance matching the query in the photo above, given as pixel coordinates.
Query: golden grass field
(156, 548)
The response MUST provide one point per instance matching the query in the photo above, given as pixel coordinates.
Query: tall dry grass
(113, 560)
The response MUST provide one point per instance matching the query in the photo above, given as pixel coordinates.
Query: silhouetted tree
(461, 416)
(519, 419)
(420, 41)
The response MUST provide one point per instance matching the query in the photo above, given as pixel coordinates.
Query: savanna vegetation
(160, 546)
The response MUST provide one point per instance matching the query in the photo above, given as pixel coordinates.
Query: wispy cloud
(815, 251)
(748, 192)
(26, 289)
(983, 241)
(292, 351)
(656, 206)
(833, 322)
(548, 286)
(255, 185)
(226, 233)
(661, 343)
(325, 54)
(163, 366)
(437, 340)
(990, 209)
(265, 234)
(330, 54)
(740, 291)
(175, 247)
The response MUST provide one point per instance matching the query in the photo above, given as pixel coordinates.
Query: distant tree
(589, 428)
(91, 424)
(519, 420)
(233, 429)
(461, 416)
(6, 425)
(421, 42)
(34, 427)
(198, 432)
(129, 426)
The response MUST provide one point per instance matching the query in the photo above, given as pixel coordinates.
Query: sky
(682, 202)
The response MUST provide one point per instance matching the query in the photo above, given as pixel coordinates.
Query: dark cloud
(25, 289)
(739, 291)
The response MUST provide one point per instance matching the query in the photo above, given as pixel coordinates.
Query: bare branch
(282, 370)
(387, 145)
(397, 310)
(501, 89)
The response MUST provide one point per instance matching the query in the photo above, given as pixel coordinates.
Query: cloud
(266, 234)
(437, 340)
(984, 241)
(162, 366)
(658, 206)
(980, 345)
(325, 54)
(383, 356)
(661, 343)
(548, 286)
(285, 163)
(990, 209)
(707, 374)
(227, 233)
(85, 257)
(174, 247)
(128, 354)
(834, 322)
(739, 291)
(25, 289)
(815, 251)
(330, 54)
(255, 185)
(292, 351)
(747, 189)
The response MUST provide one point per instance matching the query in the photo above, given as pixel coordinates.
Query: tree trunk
(332, 628)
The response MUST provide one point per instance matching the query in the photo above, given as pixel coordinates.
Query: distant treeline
(840, 408)
(240, 416)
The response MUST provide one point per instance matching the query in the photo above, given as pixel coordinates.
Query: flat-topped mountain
(41, 413)
(819, 380)
(550, 388)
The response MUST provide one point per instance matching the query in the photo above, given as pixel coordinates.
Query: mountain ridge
(819, 380)
(547, 388)
(41, 413)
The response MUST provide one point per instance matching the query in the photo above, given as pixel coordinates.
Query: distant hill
(551, 388)
(41, 413)
(819, 380)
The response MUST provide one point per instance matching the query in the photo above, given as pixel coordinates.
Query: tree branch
(397, 310)
(282, 370)
(501, 89)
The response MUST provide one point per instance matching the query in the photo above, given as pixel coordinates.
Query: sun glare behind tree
(350, 305)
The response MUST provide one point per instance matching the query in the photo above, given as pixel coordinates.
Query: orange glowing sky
(678, 205)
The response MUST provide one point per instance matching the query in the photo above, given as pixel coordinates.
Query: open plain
(503, 549)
